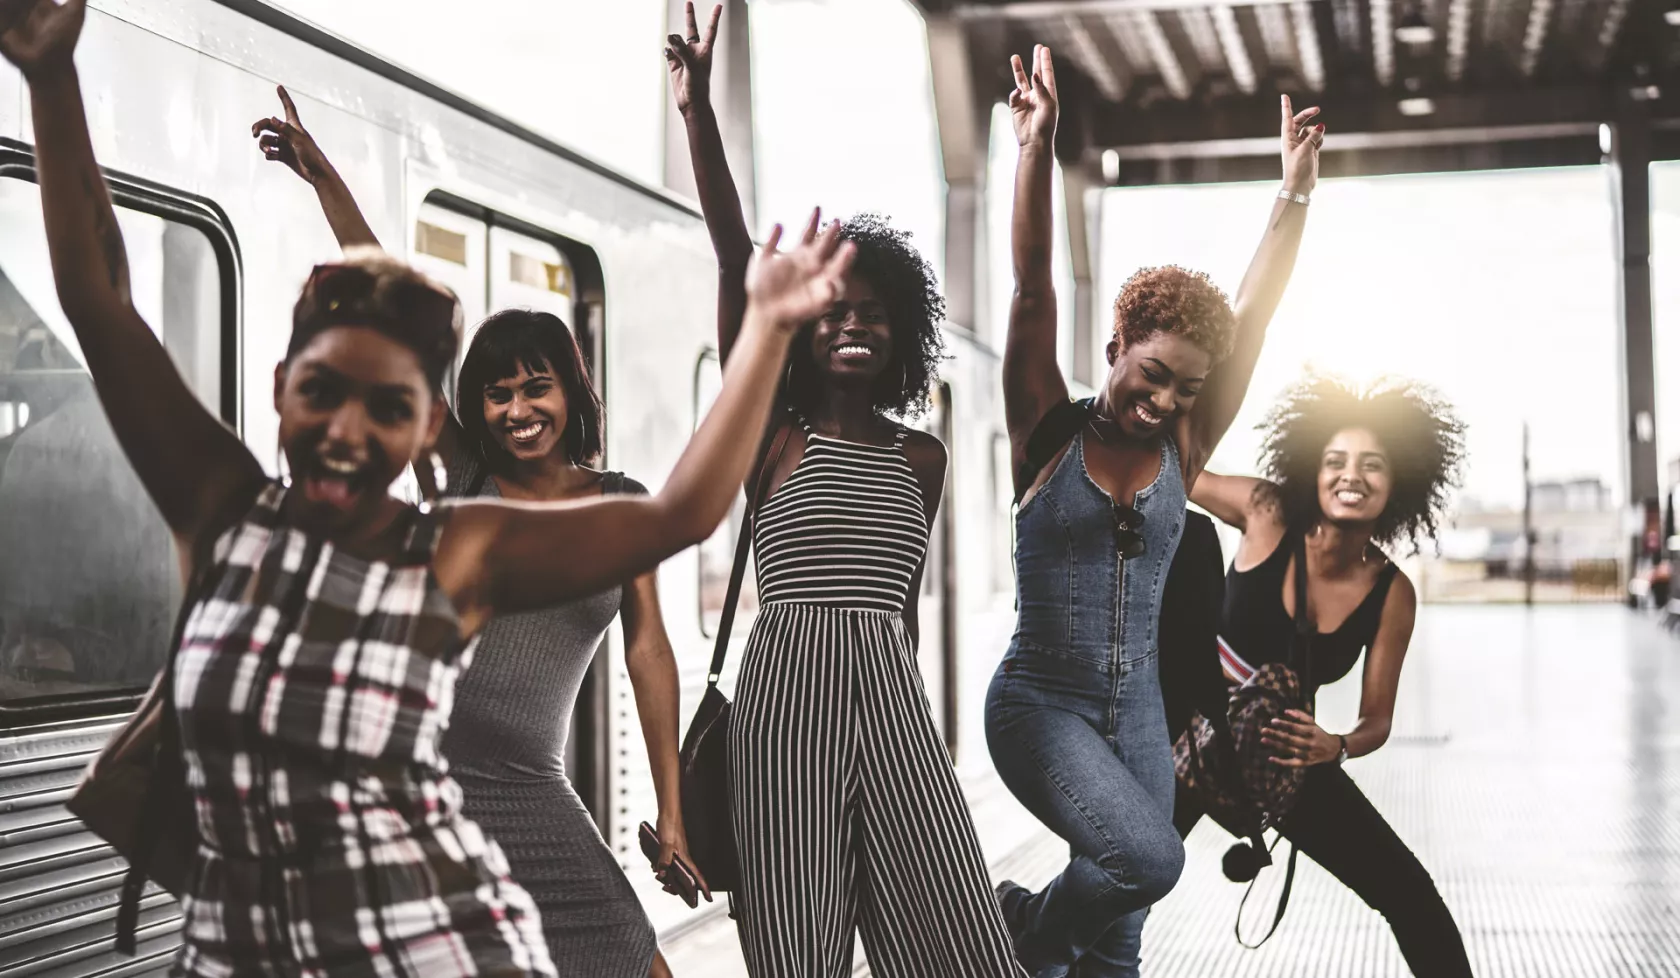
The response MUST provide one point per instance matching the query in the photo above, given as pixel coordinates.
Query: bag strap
(1283, 898)
(743, 546)
(1049, 436)
(169, 743)
(1300, 648)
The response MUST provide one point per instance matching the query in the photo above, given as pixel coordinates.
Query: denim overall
(1075, 722)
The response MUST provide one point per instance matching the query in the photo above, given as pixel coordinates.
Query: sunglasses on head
(1128, 531)
(347, 292)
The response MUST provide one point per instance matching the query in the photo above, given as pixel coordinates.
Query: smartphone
(678, 873)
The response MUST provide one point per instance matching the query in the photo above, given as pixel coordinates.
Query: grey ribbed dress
(506, 746)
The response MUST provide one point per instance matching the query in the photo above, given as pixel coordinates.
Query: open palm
(1033, 104)
(794, 287)
(40, 35)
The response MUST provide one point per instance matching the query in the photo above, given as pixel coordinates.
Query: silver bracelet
(1295, 197)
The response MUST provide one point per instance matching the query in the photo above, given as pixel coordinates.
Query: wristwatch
(1291, 195)
(1342, 755)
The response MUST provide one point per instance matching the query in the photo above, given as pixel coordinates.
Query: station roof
(1167, 91)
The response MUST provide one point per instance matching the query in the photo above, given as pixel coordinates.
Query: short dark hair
(1419, 429)
(369, 288)
(537, 341)
(1170, 299)
(906, 285)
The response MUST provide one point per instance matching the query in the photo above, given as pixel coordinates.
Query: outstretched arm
(1260, 292)
(286, 141)
(506, 557)
(1032, 380)
(1249, 504)
(193, 467)
(690, 60)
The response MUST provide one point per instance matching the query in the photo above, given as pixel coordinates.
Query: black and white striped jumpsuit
(847, 811)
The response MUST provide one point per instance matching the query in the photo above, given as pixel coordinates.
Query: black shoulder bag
(704, 764)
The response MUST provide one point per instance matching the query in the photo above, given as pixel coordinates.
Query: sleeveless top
(1255, 628)
(513, 709)
(846, 530)
(312, 688)
(1075, 595)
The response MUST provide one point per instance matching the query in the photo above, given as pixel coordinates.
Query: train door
(938, 607)
(495, 262)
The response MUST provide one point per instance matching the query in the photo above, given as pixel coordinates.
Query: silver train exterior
(220, 242)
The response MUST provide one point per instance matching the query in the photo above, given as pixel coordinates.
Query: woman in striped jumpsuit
(848, 816)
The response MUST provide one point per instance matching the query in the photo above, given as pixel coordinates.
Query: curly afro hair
(904, 282)
(1421, 432)
(1170, 299)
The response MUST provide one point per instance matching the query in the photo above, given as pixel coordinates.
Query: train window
(88, 580)
(717, 554)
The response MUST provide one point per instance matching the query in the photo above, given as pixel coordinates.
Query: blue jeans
(1083, 745)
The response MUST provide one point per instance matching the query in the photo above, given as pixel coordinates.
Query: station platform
(1534, 768)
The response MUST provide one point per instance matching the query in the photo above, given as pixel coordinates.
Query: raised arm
(1249, 504)
(690, 60)
(286, 141)
(506, 557)
(1260, 292)
(1032, 380)
(193, 467)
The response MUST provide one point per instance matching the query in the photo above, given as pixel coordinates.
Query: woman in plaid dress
(329, 621)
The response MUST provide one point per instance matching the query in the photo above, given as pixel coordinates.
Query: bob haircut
(539, 342)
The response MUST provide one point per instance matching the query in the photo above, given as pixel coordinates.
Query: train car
(219, 242)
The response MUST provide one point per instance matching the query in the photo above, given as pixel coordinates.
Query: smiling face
(853, 343)
(1355, 478)
(526, 414)
(1153, 381)
(355, 410)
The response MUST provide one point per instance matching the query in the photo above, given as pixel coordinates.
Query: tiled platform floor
(1535, 769)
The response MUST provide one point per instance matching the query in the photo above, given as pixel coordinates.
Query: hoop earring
(440, 477)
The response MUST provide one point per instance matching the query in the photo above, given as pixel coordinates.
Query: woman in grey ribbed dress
(530, 421)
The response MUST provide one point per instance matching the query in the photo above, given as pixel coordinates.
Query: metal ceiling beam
(1236, 52)
(1307, 53)
(1444, 158)
(1095, 49)
(1114, 127)
(1458, 38)
(1534, 35)
(1382, 41)
(1031, 10)
(1175, 74)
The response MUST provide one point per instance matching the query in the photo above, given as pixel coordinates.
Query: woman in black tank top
(1347, 472)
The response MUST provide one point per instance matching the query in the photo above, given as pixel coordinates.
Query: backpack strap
(743, 546)
(1300, 648)
(1049, 436)
(1283, 898)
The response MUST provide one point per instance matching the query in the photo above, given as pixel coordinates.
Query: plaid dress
(313, 688)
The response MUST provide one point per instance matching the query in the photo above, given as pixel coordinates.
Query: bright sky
(1497, 288)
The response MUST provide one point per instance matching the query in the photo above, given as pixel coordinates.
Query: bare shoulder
(925, 452)
(1402, 594)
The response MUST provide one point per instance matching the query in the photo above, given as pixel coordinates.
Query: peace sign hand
(690, 59)
(39, 36)
(1033, 104)
(1301, 144)
(790, 288)
(286, 141)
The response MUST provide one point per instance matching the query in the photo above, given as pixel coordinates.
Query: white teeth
(341, 467)
(1351, 498)
(1145, 415)
(853, 350)
(528, 432)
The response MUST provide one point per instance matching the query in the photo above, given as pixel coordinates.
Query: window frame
(17, 162)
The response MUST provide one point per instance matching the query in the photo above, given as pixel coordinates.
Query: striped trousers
(848, 815)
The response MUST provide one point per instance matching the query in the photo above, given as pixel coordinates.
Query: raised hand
(39, 36)
(1301, 144)
(286, 141)
(690, 59)
(789, 288)
(1033, 102)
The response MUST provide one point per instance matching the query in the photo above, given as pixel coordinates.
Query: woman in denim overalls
(1074, 716)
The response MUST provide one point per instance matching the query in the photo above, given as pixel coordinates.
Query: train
(220, 242)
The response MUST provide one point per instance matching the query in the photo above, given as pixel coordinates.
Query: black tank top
(1257, 628)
